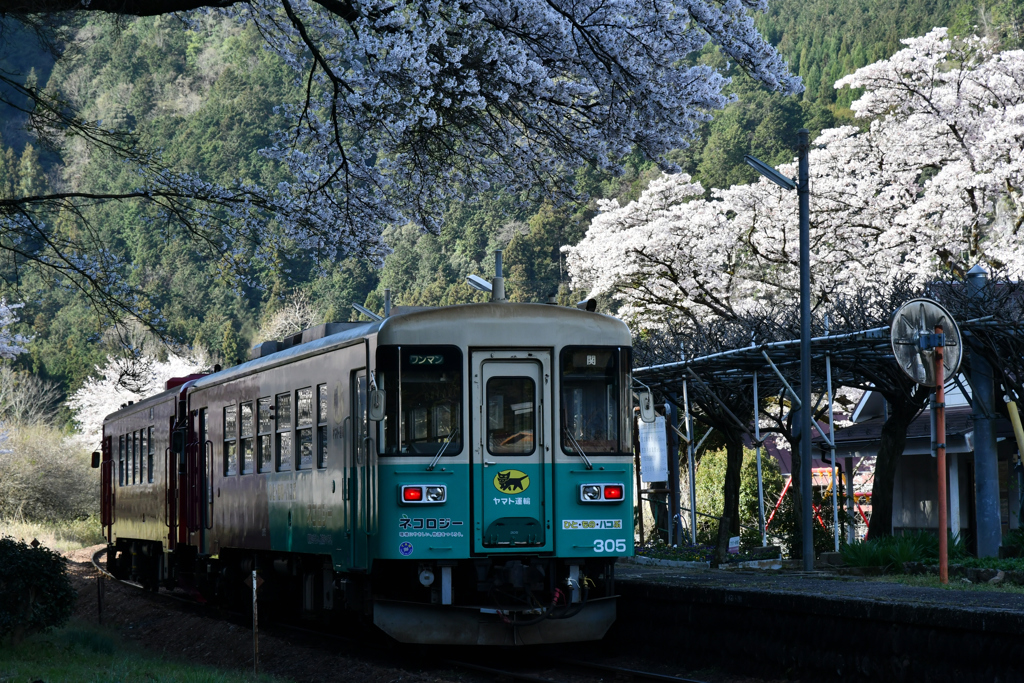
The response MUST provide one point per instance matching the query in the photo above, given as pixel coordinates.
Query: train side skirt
(409, 622)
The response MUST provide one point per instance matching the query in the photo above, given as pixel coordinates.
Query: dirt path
(181, 635)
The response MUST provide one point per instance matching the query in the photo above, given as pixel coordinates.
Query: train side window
(207, 452)
(143, 452)
(152, 450)
(133, 445)
(120, 460)
(285, 454)
(265, 435)
(246, 440)
(304, 424)
(321, 426)
(230, 441)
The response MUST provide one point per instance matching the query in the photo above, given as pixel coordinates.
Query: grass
(80, 653)
(62, 536)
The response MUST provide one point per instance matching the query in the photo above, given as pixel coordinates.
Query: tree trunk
(890, 449)
(730, 524)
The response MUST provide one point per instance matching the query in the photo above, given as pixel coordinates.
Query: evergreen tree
(8, 171)
(230, 344)
(31, 180)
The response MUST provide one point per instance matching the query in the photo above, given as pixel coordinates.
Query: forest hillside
(210, 100)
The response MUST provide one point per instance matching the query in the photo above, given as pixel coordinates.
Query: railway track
(531, 667)
(567, 670)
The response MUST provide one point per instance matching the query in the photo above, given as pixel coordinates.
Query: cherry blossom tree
(116, 383)
(932, 186)
(410, 104)
(10, 343)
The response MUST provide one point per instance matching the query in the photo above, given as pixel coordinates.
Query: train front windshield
(594, 400)
(423, 408)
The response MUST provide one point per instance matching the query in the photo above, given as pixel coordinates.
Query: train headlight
(422, 494)
(602, 493)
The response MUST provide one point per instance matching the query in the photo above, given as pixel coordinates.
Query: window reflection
(510, 415)
(424, 399)
(590, 400)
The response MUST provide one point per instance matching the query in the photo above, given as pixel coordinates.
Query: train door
(361, 480)
(171, 488)
(512, 437)
(107, 487)
(199, 475)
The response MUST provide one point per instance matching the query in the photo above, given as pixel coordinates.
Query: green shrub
(892, 551)
(709, 483)
(1013, 541)
(785, 527)
(35, 589)
(865, 554)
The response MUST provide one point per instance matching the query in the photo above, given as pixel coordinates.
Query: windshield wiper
(444, 447)
(579, 449)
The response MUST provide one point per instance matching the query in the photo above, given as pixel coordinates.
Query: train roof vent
(178, 381)
(326, 330)
(291, 340)
(263, 349)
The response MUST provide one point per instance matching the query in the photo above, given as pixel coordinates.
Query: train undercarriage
(494, 600)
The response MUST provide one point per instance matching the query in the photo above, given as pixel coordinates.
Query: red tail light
(613, 492)
(413, 494)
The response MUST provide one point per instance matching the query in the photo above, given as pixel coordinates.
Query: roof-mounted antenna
(367, 312)
(387, 303)
(498, 284)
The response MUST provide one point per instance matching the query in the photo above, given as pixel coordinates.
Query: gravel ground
(185, 633)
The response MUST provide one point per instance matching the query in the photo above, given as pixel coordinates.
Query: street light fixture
(769, 172)
(478, 283)
(802, 187)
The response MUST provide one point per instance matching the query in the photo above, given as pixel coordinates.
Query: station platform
(821, 626)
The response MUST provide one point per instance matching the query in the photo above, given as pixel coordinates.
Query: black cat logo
(511, 481)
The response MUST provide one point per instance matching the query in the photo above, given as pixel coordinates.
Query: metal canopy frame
(770, 369)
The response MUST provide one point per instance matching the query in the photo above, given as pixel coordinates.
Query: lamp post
(802, 187)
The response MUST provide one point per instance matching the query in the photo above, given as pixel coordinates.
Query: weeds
(891, 552)
(62, 536)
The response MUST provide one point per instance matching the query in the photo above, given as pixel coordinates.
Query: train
(456, 475)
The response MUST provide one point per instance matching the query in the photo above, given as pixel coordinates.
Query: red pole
(940, 452)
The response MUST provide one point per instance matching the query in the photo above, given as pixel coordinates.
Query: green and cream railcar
(462, 474)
